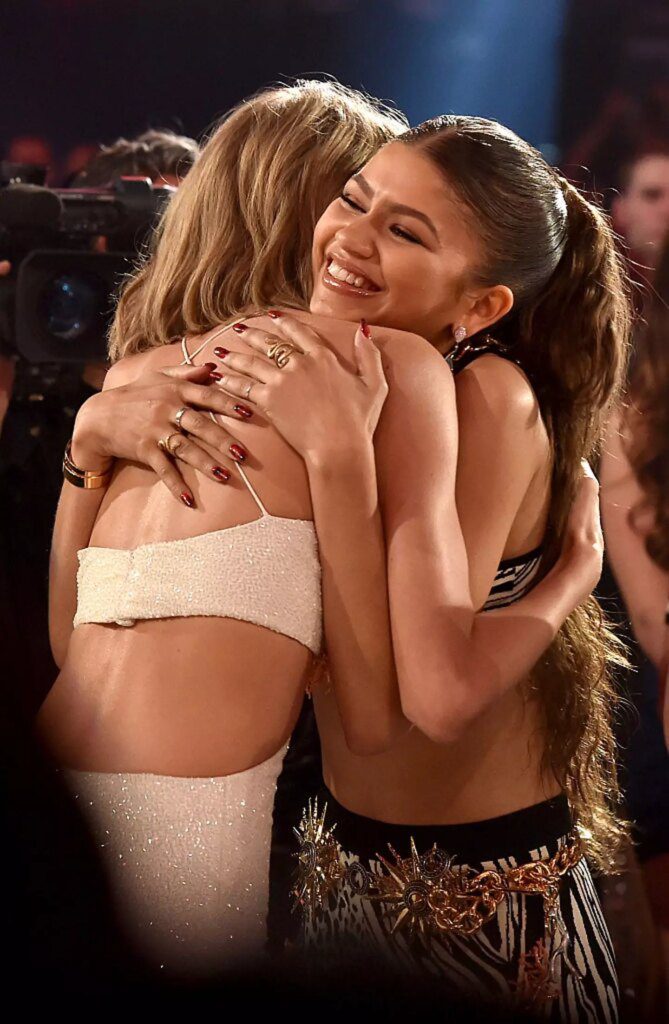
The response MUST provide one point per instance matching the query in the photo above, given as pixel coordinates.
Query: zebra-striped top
(515, 576)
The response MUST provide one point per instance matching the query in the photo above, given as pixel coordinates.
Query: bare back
(185, 696)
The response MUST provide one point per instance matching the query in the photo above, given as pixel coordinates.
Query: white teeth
(340, 274)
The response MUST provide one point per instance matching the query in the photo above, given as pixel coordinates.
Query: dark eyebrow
(396, 207)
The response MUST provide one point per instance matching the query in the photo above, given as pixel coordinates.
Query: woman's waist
(217, 665)
(484, 775)
(532, 832)
(183, 708)
(130, 734)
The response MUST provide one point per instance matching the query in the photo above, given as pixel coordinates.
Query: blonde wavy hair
(237, 235)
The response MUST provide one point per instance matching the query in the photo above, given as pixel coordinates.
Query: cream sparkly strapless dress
(188, 858)
(188, 862)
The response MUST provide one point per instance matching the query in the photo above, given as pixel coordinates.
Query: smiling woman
(379, 231)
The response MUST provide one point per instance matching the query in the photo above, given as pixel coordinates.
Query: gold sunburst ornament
(319, 868)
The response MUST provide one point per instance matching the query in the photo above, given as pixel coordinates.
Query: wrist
(87, 450)
(352, 461)
(574, 577)
(345, 481)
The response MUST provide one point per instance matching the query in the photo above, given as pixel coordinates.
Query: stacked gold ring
(280, 352)
(165, 443)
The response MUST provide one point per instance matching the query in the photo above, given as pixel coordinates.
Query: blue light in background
(493, 58)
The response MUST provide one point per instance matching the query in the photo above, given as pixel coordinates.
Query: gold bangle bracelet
(90, 480)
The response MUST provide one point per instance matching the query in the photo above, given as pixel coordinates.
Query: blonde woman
(197, 622)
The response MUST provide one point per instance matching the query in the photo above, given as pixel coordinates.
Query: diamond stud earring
(460, 333)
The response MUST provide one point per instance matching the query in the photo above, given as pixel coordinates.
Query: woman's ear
(487, 307)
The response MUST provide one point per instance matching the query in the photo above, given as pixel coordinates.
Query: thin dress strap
(252, 491)
(188, 358)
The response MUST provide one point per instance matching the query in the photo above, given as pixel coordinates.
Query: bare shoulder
(128, 369)
(495, 387)
(412, 363)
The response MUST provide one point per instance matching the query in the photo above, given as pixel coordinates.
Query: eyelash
(400, 232)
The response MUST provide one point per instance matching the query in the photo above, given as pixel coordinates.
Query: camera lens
(72, 304)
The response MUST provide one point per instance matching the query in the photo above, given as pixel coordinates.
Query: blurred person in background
(158, 154)
(635, 509)
(641, 210)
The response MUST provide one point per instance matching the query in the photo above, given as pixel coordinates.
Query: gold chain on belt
(429, 895)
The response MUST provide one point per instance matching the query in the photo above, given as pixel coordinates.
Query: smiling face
(396, 249)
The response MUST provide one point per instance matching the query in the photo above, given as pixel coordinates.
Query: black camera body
(69, 249)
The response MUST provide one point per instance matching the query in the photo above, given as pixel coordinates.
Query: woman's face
(395, 248)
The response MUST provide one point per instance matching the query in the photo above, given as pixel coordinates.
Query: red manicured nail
(215, 375)
(364, 327)
(274, 313)
(237, 452)
(240, 328)
(187, 499)
(210, 366)
(243, 411)
(220, 352)
(221, 474)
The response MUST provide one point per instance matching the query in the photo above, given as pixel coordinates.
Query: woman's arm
(341, 409)
(449, 665)
(644, 586)
(452, 664)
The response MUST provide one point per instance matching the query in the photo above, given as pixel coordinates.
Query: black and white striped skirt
(501, 960)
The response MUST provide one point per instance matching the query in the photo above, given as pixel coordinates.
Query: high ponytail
(583, 315)
(569, 330)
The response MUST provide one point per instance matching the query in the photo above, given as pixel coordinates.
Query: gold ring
(247, 393)
(178, 417)
(280, 352)
(165, 443)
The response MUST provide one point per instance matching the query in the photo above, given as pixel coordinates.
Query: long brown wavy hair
(569, 331)
(646, 419)
(237, 234)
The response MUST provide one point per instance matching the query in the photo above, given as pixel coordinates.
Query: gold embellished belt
(428, 894)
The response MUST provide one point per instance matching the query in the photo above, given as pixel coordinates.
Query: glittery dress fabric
(266, 572)
(188, 862)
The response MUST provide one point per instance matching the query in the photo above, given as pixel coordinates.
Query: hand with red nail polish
(316, 404)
